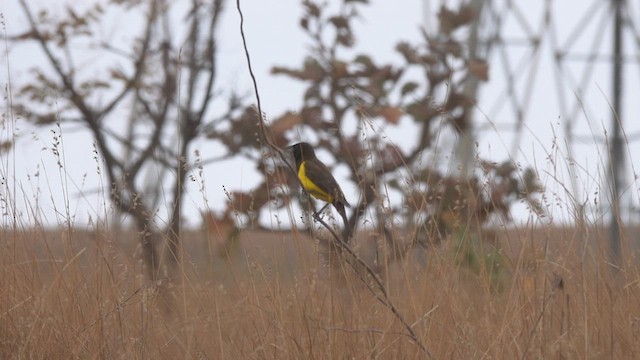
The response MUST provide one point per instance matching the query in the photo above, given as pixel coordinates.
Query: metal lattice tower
(573, 54)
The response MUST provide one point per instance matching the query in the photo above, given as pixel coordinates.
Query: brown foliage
(427, 89)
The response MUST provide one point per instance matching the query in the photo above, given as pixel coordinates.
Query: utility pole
(465, 151)
(616, 155)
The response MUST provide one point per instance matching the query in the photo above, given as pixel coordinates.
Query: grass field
(76, 294)
(523, 292)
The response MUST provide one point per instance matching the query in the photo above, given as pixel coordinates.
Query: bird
(316, 178)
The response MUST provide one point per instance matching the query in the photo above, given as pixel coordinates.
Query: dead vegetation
(275, 295)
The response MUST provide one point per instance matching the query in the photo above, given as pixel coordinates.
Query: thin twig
(384, 298)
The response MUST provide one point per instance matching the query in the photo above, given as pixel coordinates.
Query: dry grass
(545, 293)
(73, 294)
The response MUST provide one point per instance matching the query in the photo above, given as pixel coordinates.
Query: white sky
(275, 39)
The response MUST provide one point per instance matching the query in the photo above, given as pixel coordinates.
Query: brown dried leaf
(339, 69)
(409, 52)
(391, 114)
(346, 39)
(340, 22)
(5, 146)
(409, 87)
(312, 9)
(364, 60)
(450, 20)
(286, 122)
(312, 116)
(421, 110)
(392, 158)
(480, 69)
(242, 202)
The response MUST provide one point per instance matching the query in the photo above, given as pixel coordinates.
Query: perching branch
(383, 296)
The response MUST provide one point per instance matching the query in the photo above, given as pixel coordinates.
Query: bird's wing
(320, 174)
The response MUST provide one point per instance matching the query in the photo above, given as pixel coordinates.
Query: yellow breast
(312, 188)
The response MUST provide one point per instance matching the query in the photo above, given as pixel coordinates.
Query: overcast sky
(275, 39)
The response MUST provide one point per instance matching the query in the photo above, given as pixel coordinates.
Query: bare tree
(164, 83)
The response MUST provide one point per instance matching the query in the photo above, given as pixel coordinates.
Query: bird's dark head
(302, 151)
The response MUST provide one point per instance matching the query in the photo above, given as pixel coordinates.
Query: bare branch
(139, 63)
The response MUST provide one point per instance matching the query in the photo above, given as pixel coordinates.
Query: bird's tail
(348, 233)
